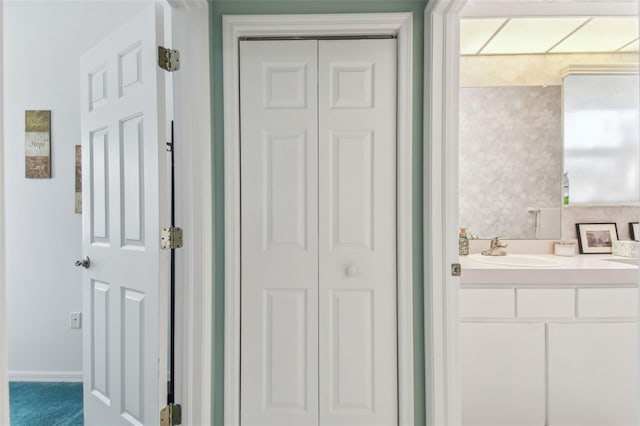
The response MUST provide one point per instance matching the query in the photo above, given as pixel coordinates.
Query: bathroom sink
(517, 260)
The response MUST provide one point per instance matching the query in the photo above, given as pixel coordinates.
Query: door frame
(236, 26)
(194, 210)
(190, 30)
(442, 19)
(4, 379)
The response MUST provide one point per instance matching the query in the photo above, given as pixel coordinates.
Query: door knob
(84, 263)
(352, 270)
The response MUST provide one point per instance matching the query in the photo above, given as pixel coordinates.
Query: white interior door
(123, 162)
(357, 280)
(279, 181)
(318, 239)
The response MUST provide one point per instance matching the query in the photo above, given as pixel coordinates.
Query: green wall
(264, 7)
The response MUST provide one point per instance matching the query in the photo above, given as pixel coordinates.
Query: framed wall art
(37, 131)
(634, 231)
(78, 183)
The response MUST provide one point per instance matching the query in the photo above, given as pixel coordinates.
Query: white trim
(4, 380)
(194, 212)
(529, 8)
(188, 4)
(441, 220)
(609, 69)
(45, 376)
(441, 193)
(235, 27)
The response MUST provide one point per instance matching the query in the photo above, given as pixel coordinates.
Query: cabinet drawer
(546, 303)
(607, 302)
(486, 303)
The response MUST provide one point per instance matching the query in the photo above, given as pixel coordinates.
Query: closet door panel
(357, 232)
(279, 203)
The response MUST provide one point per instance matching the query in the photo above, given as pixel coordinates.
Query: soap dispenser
(463, 242)
(565, 188)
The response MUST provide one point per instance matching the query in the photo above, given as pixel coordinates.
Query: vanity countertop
(584, 269)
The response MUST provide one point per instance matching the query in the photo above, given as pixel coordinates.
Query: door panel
(502, 370)
(351, 357)
(123, 135)
(279, 271)
(100, 341)
(132, 169)
(99, 185)
(351, 180)
(592, 371)
(286, 378)
(285, 175)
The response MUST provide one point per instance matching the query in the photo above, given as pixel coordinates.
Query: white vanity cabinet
(548, 354)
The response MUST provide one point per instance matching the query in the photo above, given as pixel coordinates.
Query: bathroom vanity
(549, 345)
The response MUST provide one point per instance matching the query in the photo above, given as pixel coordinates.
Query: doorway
(442, 39)
(237, 27)
(192, 98)
(41, 222)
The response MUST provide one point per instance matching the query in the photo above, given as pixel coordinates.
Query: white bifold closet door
(318, 201)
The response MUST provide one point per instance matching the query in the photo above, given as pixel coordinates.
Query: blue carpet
(46, 404)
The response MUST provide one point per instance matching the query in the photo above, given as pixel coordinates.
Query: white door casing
(235, 27)
(318, 232)
(193, 167)
(441, 221)
(124, 169)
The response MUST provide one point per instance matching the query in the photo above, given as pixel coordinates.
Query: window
(601, 138)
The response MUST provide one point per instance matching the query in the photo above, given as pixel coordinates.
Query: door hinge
(456, 269)
(168, 59)
(171, 415)
(170, 238)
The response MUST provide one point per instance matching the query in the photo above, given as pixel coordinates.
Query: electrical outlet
(75, 320)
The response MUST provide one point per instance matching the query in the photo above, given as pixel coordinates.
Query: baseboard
(45, 376)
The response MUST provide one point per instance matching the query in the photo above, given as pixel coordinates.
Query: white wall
(43, 41)
(4, 388)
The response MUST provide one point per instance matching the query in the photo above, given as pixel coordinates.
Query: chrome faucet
(496, 248)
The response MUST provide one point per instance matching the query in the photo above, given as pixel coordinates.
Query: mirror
(510, 160)
(511, 133)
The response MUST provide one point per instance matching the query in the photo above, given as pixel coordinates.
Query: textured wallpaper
(620, 215)
(529, 70)
(510, 158)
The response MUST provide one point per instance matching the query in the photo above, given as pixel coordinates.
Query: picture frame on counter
(596, 237)
(634, 231)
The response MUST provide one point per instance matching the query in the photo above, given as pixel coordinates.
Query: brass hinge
(168, 59)
(171, 415)
(456, 269)
(170, 238)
